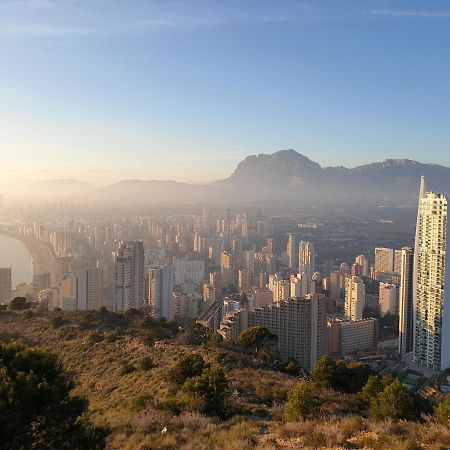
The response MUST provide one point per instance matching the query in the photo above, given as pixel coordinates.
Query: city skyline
(95, 92)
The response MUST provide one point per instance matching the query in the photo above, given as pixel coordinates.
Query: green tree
(255, 337)
(442, 411)
(208, 391)
(394, 402)
(188, 365)
(18, 304)
(36, 408)
(339, 375)
(372, 388)
(302, 403)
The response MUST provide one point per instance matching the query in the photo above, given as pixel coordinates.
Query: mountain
(298, 177)
(284, 179)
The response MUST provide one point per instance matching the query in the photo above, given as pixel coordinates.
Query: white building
(388, 299)
(160, 291)
(432, 282)
(355, 298)
(306, 258)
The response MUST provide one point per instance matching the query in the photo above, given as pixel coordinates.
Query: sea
(14, 254)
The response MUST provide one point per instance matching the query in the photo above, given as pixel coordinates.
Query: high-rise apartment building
(335, 285)
(405, 309)
(355, 298)
(306, 258)
(384, 260)
(227, 270)
(89, 288)
(388, 299)
(363, 261)
(5, 285)
(299, 323)
(432, 282)
(160, 291)
(291, 251)
(129, 276)
(122, 282)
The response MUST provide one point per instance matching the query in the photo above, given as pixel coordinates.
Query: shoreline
(44, 260)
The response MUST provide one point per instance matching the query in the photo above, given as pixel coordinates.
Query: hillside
(120, 363)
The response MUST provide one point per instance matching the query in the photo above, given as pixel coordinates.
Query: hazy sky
(110, 89)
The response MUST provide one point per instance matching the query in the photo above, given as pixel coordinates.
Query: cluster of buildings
(228, 272)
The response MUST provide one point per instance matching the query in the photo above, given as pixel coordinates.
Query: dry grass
(131, 402)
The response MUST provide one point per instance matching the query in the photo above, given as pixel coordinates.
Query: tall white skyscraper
(405, 308)
(292, 251)
(355, 298)
(160, 291)
(306, 258)
(432, 282)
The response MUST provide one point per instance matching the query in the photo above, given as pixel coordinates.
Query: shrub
(302, 403)
(442, 411)
(210, 389)
(188, 365)
(127, 368)
(37, 409)
(146, 363)
(58, 321)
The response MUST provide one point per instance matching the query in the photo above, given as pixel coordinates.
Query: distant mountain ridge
(285, 177)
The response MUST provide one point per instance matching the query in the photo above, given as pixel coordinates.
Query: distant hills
(285, 178)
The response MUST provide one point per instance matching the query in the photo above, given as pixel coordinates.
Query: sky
(102, 90)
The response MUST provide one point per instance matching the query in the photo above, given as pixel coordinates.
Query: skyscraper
(160, 291)
(291, 251)
(135, 253)
(355, 298)
(364, 263)
(405, 308)
(306, 258)
(384, 260)
(129, 276)
(122, 281)
(388, 299)
(89, 288)
(432, 282)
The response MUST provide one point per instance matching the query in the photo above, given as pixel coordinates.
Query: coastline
(44, 260)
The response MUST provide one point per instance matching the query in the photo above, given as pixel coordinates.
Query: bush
(58, 321)
(302, 403)
(209, 391)
(146, 363)
(442, 411)
(141, 401)
(188, 365)
(394, 402)
(18, 304)
(340, 376)
(127, 368)
(37, 409)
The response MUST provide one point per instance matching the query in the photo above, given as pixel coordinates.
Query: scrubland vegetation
(150, 384)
